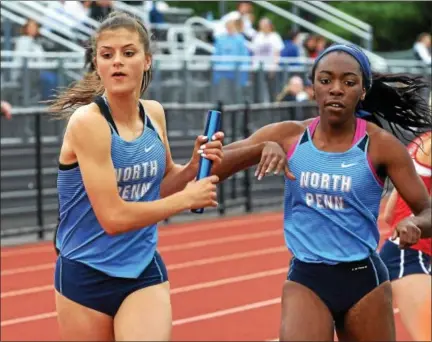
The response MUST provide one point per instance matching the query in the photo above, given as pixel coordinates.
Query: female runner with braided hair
(338, 163)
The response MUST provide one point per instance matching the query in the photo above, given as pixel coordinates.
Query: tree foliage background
(396, 24)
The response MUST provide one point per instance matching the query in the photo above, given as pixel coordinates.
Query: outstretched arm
(267, 147)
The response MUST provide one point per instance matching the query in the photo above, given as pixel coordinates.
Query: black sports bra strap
(106, 112)
(142, 112)
(104, 109)
(146, 118)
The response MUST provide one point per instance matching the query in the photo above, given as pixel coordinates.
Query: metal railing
(342, 15)
(337, 17)
(34, 11)
(80, 27)
(376, 61)
(87, 24)
(176, 78)
(29, 162)
(69, 45)
(44, 13)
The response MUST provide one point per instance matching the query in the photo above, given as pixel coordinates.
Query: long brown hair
(83, 92)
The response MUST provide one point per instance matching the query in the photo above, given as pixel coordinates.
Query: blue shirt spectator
(291, 47)
(231, 44)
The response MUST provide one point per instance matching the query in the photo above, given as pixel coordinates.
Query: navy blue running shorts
(340, 286)
(403, 262)
(99, 291)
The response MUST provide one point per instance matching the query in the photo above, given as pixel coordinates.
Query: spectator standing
(245, 12)
(266, 49)
(291, 46)
(422, 48)
(30, 41)
(229, 79)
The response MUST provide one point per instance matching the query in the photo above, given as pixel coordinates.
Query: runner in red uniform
(410, 268)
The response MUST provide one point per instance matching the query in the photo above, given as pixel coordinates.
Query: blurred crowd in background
(238, 34)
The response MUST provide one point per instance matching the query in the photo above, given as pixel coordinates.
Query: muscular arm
(176, 175)
(390, 206)
(89, 136)
(245, 153)
(423, 221)
(423, 155)
(176, 178)
(388, 151)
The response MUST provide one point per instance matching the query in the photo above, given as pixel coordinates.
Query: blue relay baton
(212, 126)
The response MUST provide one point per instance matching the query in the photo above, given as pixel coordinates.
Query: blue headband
(361, 58)
(357, 54)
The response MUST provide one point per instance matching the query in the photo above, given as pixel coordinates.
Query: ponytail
(397, 99)
(81, 93)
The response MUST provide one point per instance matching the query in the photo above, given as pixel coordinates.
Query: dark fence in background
(26, 80)
(30, 145)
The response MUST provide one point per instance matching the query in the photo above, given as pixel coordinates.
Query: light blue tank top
(331, 209)
(140, 167)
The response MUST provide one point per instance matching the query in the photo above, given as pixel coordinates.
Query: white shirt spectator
(66, 13)
(423, 52)
(220, 27)
(26, 44)
(266, 48)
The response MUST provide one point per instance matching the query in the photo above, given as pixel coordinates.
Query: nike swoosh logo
(347, 165)
(148, 149)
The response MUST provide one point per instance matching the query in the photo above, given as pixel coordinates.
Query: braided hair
(395, 99)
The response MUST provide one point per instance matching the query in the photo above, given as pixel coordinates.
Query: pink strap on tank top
(291, 149)
(360, 130)
(312, 127)
(359, 133)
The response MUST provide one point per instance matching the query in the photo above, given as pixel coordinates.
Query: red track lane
(237, 310)
(193, 246)
(28, 260)
(242, 243)
(26, 280)
(41, 302)
(180, 236)
(42, 330)
(245, 261)
(226, 296)
(232, 268)
(253, 325)
(221, 297)
(16, 257)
